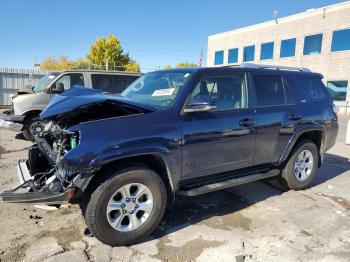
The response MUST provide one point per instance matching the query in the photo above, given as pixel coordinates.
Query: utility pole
(200, 58)
(106, 64)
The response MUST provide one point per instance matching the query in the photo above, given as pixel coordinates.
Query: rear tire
(301, 166)
(138, 218)
(33, 125)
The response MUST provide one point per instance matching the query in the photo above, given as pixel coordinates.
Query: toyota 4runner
(185, 132)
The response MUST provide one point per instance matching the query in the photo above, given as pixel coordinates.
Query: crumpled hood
(27, 89)
(82, 97)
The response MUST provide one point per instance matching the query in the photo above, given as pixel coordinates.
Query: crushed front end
(60, 164)
(45, 176)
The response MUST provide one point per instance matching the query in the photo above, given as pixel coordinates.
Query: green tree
(186, 64)
(109, 50)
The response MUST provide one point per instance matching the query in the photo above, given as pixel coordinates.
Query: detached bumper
(11, 122)
(12, 118)
(25, 194)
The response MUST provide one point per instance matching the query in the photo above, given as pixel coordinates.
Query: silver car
(29, 102)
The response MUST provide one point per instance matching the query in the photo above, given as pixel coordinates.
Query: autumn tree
(61, 63)
(133, 66)
(104, 49)
(186, 65)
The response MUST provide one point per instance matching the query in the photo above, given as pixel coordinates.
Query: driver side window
(229, 92)
(70, 80)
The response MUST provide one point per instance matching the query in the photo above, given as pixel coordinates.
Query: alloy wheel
(129, 207)
(303, 165)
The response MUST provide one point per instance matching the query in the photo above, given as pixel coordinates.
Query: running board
(228, 183)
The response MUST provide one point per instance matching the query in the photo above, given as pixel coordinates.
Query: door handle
(246, 122)
(295, 117)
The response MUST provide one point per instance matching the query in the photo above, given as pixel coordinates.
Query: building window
(219, 57)
(341, 40)
(288, 47)
(312, 44)
(266, 51)
(248, 53)
(337, 89)
(233, 55)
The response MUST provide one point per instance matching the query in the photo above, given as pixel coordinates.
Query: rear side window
(313, 87)
(271, 91)
(112, 83)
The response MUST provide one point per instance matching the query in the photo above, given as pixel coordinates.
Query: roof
(245, 67)
(98, 71)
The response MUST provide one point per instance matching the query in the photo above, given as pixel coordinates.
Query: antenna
(275, 16)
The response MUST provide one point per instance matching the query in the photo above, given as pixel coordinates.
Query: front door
(220, 140)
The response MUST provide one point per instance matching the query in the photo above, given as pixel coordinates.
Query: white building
(317, 38)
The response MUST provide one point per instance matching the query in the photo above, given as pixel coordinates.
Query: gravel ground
(253, 222)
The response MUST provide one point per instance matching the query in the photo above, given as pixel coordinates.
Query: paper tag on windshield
(163, 92)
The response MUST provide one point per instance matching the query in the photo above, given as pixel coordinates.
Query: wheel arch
(32, 112)
(150, 160)
(315, 134)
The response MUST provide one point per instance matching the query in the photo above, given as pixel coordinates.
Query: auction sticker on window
(163, 92)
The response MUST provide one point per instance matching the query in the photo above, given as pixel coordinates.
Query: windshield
(158, 89)
(44, 82)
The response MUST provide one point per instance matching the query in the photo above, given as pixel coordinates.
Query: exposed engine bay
(43, 174)
(45, 159)
(46, 176)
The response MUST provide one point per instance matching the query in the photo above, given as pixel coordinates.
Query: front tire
(126, 206)
(33, 126)
(301, 166)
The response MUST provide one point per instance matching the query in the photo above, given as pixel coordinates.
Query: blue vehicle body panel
(77, 97)
(196, 144)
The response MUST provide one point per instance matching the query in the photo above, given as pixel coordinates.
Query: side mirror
(57, 88)
(200, 104)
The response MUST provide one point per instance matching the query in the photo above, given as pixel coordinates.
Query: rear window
(112, 83)
(271, 91)
(313, 87)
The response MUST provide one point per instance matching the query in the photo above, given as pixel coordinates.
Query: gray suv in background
(29, 102)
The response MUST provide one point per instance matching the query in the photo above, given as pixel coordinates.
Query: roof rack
(251, 65)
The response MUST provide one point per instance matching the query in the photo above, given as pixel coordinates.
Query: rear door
(221, 140)
(112, 83)
(276, 116)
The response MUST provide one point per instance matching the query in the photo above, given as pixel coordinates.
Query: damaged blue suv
(185, 132)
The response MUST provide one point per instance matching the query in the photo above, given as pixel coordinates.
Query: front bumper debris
(12, 118)
(10, 125)
(25, 194)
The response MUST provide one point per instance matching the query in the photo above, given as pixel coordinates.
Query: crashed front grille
(78, 170)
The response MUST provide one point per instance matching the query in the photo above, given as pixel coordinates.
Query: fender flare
(83, 180)
(297, 134)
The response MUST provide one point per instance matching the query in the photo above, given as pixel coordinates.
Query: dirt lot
(259, 221)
